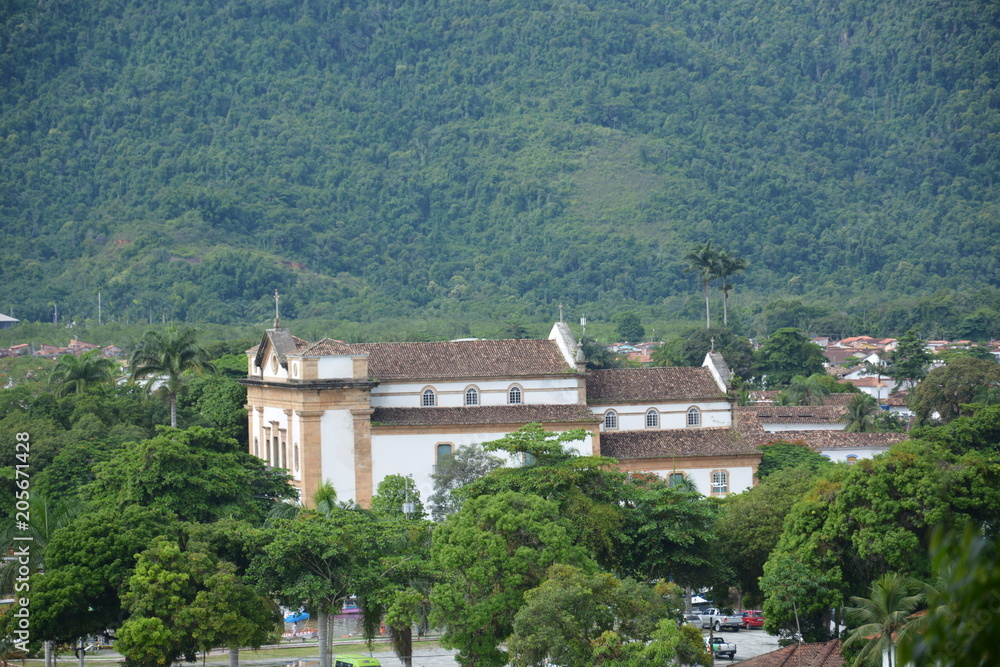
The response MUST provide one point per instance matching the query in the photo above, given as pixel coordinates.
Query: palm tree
(806, 391)
(859, 414)
(77, 374)
(728, 265)
(881, 619)
(703, 260)
(45, 518)
(163, 359)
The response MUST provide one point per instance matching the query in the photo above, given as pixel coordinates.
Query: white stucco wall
(335, 367)
(451, 394)
(840, 454)
(740, 478)
(819, 426)
(416, 454)
(672, 415)
(337, 432)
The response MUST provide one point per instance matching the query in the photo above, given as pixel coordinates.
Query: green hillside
(456, 158)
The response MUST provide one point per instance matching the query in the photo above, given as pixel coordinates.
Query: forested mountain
(368, 159)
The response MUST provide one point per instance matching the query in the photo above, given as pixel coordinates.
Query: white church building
(351, 414)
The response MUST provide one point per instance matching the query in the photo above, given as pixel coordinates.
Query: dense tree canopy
(372, 160)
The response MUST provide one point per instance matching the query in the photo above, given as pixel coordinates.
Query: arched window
(694, 417)
(852, 459)
(471, 396)
(429, 400)
(720, 482)
(611, 419)
(652, 418)
(514, 395)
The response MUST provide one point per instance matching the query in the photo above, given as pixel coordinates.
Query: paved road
(749, 644)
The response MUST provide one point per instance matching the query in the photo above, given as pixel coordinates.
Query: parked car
(753, 618)
(720, 648)
(714, 618)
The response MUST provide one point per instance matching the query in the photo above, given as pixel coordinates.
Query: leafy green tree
(704, 261)
(667, 533)
(728, 265)
(860, 414)
(493, 550)
(945, 390)
(782, 454)
(185, 601)
(588, 489)
(196, 474)
(797, 593)
(453, 472)
(629, 327)
(76, 374)
(909, 361)
(219, 401)
(87, 565)
(977, 431)
(317, 561)
(563, 618)
(691, 348)
(750, 524)
(166, 358)
(958, 628)
(393, 491)
(785, 354)
(881, 620)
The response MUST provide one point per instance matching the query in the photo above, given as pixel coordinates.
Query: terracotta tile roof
(486, 414)
(325, 347)
(838, 355)
(868, 382)
(651, 384)
(796, 414)
(460, 359)
(825, 654)
(675, 442)
(828, 439)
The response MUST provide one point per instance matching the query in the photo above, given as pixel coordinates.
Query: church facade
(351, 414)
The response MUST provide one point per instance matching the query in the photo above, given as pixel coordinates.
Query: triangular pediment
(279, 342)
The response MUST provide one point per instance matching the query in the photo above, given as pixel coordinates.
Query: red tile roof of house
(796, 414)
(827, 439)
(651, 384)
(463, 359)
(675, 442)
(826, 654)
(486, 414)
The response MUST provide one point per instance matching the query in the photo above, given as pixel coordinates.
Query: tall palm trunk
(708, 315)
(173, 410)
(725, 305)
(234, 657)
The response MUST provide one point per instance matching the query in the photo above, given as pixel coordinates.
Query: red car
(753, 618)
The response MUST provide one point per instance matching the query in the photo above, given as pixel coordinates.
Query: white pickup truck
(720, 648)
(715, 619)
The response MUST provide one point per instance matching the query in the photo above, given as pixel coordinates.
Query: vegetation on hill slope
(373, 160)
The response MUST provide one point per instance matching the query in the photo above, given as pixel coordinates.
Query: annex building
(351, 414)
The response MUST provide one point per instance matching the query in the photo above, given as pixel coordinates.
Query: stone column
(363, 483)
(311, 443)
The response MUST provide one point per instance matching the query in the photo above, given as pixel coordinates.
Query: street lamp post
(407, 505)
